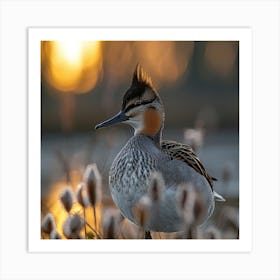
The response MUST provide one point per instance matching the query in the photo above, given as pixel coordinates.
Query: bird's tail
(218, 197)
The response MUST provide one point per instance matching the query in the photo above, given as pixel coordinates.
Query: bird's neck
(153, 122)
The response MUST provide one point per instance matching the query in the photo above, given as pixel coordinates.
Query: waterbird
(146, 153)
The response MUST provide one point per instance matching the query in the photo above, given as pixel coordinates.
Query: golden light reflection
(52, 204)
(68, 52)
(72, 66)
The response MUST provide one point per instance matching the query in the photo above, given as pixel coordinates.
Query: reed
(92, 179)
(66, 198)
(142, 213)
(48, 224)
(72, 227)
(83, 201)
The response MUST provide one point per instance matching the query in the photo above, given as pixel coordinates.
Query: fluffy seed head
(111, 223)
(48, 224)
(191, 205)
(109, 232)
(156, 187)
(92, 179)
(66, 198)
(183, 196)
(81, 195)
(194, 137)
(55, 235)
(142, 211)
(199, 209)
(72, 226)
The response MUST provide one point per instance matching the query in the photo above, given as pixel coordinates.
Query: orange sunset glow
(72, 66)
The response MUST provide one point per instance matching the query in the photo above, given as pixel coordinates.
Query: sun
(72, 66)
(70, 51)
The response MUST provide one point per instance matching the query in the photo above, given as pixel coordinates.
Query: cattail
(182, 198)
(109, 229)
(142, 211)
(229, 221)
(48, 224)
(194, 137)
(72, 227)
(81, 196)
(66, 198)
(111, 223)
(92, 179)
(55, 235)
(76, 223)
(156, 187)
(129, 230)
(83, 201)
(186, 197)
(199, 209)
(191, 207)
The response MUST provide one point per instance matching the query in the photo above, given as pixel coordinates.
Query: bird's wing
(186, 154)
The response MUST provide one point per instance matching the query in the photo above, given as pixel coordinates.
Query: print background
(265, 55)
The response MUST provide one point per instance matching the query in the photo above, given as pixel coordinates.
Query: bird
(146, 153)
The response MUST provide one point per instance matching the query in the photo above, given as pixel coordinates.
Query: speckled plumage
(129, 181)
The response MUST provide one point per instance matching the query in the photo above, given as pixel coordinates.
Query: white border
(243, 35)
(263, 17)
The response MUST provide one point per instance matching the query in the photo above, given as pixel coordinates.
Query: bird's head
(141, 108)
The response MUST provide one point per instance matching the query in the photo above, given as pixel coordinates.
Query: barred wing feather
(186, 154)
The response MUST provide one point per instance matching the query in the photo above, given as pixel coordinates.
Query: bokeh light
(220, 57)
(72, 66)
(166, 61)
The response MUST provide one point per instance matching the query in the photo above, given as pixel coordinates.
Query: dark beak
(120, 117)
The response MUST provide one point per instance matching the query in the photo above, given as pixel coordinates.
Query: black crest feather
(140, 77)
(140, 82)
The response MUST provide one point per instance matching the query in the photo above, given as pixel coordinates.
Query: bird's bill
(120, 117)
